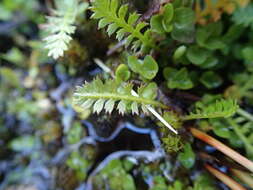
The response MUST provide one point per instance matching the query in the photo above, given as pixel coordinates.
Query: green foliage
(203, 182)
(159, 183)
(239, 132)
(9, 77)
(14, 55)
(147, 68)
(177, 21)
(177, 185)
(122, 73)
(117, 177)
(209, 36)
(187, 157)
(24, 143)
(156, 24)
(75, 133)
(187, 60)
(172, 143)
(177, 78)
(210, 79)
(242, 127)
(220, 108)
(79, 164)
(101, 96)
(183, 24)
(179, 52)
(162, 23)
(242, 86)
(126, 27)
(29, 7)
(60, 27)
(197, 55)
(244, 16)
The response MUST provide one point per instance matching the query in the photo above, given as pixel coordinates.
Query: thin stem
(121, 97)
(245, 114)
(244, 176)
(239, 133)
(223, 148)
(224, 178)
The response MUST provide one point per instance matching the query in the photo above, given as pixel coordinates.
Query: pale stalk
(224, 178)
(248, 164)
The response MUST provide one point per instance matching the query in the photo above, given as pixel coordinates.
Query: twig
(244, 176)
(114, 48)
(245, 114)
(224, 178)
(223, 148)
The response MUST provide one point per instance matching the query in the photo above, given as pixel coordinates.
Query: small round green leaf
(179, 52)
(133, 63)
(210, 79)
(197, 55)
(156, 24)
(150, 91)
(187, 157)
(180, 80)
(184, 17)
(167, 17)
(149, 68)
(210, 62)
(122, 73)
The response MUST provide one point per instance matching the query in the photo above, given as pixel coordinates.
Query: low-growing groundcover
(126, 94)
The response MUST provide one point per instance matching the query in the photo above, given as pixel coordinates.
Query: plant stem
(224, 178)
(244, 176)
(108, 96)
(245, 114)
(236, 128)
(223, 148)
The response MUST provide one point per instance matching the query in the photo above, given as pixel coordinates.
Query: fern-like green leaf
(244, 16)
(60, 26)
(123, 24)
(221, 108)
(107, 95)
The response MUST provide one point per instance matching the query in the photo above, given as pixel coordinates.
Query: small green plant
(244, 16)
(126, 27)
(220, 108)
(60, 26)
(104, 95)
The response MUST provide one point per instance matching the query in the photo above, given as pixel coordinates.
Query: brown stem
(223, 148)
(224, 178)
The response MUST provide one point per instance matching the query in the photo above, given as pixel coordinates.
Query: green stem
(201, 116)
(239, 133)
(122, 97)
(245, 114)
(246, 87)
